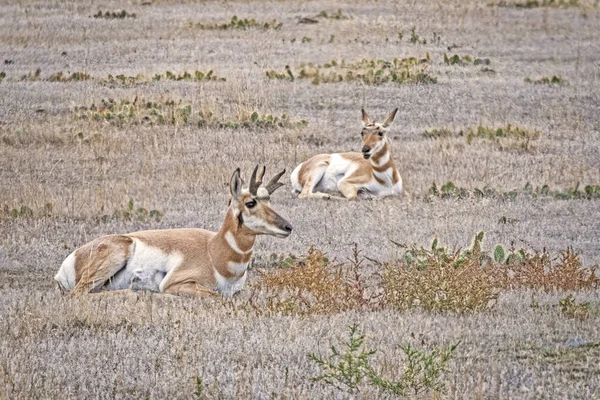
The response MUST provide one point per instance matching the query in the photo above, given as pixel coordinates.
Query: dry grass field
(102, 131)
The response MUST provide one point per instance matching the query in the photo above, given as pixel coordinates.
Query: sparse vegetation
(465, 60)
(508, 137)
(171, 112)
(554, 80)
(449, 190)
(537, 3)
(114, 14)
(371, 72)
(2, 76)
(132, 213)
(241, 24)
(350, 363)
(10, 211)
(336, 15)
(196, 76)
(75, 76)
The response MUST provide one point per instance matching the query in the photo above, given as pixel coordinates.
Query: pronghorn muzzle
(284, 226)
(366, 150)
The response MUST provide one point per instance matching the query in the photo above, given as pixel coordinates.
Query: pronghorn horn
(254, 184)
(273, 185)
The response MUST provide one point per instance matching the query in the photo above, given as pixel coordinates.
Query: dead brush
(537, 271)
(311, 284)
(440, 280)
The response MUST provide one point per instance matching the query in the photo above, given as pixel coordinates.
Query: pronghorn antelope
(194, 261)
(371, 173)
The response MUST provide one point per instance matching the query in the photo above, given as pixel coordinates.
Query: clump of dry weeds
(436, 279)
(440, 280)
(537, 271)
(311, 284)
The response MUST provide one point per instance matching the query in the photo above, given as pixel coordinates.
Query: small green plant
(132, 213)
(2, 76)
(114, 14)
(32, 76)
(416, 39)
(422, 372)
(199, 392)
(241, 24)
(570, 308)
(349, 364)
(346, 367)
(554, 80)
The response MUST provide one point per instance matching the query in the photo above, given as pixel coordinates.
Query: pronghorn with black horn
(194, 261)
(372, 173)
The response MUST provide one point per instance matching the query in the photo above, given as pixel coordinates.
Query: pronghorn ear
(235, 185)
(365, 118)
(390, 118)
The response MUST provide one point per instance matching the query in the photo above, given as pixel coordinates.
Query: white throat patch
(233, 244)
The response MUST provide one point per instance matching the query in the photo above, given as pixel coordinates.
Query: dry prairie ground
(78, 142)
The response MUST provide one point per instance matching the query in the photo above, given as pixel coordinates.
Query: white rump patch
(66, 274)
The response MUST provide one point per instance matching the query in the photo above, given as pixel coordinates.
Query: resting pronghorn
(372, 173)
(193, 261)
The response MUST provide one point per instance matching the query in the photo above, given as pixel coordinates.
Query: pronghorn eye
(251, 204)
(380, 133)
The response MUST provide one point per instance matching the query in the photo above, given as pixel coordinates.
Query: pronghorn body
(371, 172)
(193, 261)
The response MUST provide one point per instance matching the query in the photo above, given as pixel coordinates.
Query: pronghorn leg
(310, 184)
(349, 190)
(190, 288)
(99, 260)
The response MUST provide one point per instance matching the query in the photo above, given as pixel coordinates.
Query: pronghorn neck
(382, 160)
(231, 248)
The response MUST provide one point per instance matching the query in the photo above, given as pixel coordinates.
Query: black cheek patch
(240, 219)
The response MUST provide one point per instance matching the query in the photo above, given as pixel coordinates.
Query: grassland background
(138, 345)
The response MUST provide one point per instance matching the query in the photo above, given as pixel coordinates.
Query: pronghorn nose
(366, 149)
(288, 228)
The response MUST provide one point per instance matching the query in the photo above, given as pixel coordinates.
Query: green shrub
(349, 364)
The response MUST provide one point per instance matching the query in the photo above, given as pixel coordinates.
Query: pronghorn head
(252, 206)
(373, 133)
